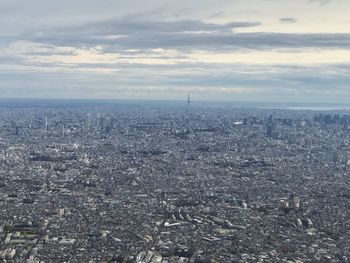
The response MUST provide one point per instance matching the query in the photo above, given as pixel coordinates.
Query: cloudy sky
(237, 50)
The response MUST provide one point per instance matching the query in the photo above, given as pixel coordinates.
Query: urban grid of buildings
(122, 182)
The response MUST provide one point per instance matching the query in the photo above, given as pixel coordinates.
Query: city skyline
(255, 50)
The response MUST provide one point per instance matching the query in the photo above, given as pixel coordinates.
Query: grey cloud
(130, 25)
(183, 34)
(212, 42)
(321, 2)
(21, 16)
(50, 53)
(132, 31)
(8, 60)
(221, 81)
(89, 24)
(288, 20)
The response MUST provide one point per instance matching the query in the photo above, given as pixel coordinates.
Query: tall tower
(188, 103)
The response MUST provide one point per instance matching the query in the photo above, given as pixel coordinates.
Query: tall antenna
(188, 103)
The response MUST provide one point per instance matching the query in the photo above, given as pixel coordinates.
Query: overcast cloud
(226, 50)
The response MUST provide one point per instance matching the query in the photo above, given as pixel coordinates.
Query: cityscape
(173, 182)
(174, 131)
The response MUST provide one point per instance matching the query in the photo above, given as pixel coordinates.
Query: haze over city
(174, 131)
(252, 50)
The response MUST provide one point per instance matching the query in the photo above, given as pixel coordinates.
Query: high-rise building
(46, 124)
(269, 131)
(88, 123)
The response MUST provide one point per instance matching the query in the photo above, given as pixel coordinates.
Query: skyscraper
(88, 123)
(269, 131)
(46, 124)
